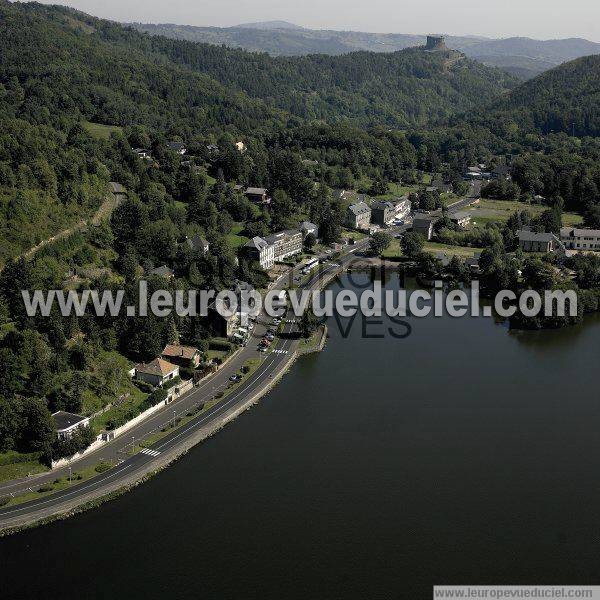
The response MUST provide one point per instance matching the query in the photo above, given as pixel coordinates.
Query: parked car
(235, 378)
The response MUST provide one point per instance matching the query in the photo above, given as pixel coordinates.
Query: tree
(412, 244)
(308, 323)
(37, 431)
(380, 242)
(10, 423)
(309, 241)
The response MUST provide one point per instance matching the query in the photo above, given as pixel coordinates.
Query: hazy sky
(542, 19)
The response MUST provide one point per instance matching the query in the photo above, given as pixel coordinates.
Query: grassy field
(77, 476)
(488, 211)
(234, 239)
(110, 371)
(394, 250)
(10, 468)
(99, 131)
(129, 407)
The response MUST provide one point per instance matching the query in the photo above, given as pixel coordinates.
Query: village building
(580, 239)
(143, 153)
(221, 320)
(286, 243)
(157, 372)
(358, 216)
(163, 271)
(183, 356)
(198, 244)
(178, 147)
(382, 213)
(402, 208)
(532, 241)
(261, 251)
(307, 227)
(423, 224)
(67, 424)
(257, 195)
(462, 219)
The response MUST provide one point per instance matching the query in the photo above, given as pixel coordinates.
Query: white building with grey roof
(358, 216)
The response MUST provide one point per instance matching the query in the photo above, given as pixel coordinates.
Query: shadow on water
(463, 453)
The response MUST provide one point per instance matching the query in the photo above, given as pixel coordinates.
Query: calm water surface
(462, 454)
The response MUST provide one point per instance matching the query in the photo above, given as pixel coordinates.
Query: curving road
(132, 468)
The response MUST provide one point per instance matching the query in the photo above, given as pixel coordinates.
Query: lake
(465, 453)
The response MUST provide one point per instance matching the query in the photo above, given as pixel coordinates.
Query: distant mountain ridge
(267, 25)
(520, 56)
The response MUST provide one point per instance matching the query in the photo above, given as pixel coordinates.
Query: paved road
(272, 364)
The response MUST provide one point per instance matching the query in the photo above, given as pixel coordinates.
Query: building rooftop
(197, 242)
(177, 351)
(256, 191)
(578, 232)
(156, 367)
(461, 214)
(65, 420)
(534, 236)
(382, 205)
(163, 271)
(257, 242)
(359, 208)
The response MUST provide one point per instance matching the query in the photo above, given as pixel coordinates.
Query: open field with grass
(14, 465)
(234, 239)
(488, 211)
(394, 250)
(125, 411)
(99, 131)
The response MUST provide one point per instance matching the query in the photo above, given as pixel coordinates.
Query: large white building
(260, 250)
(580, 239)
(286, 243)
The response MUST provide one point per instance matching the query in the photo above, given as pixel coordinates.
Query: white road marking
(150, 452)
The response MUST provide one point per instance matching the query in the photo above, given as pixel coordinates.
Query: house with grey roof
(382, 213)
(197, 243)
(575, 238)
(257, 195)
(163, 271)
(67, 424)
(460, 218)
(532, 241)
(178, 147)
(307, 227)
(358, 216)
(423, 224)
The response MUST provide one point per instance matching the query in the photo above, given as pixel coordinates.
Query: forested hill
(401, 89)
(525, 56)
(564, 99)
(84, 66)
(57, 73)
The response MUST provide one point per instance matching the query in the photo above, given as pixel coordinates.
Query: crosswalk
(150, 452)
(280, 351)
